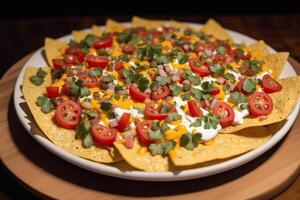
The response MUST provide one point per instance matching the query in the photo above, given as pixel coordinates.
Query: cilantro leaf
(210, 121)
(163, 80)
(88, 141)
(176, 89)
(173, 117)
(96, 72)
(84, 92)
(221, 50)
(186, 96)
(182, 58)
(190, 141)
(162, 148)
(249, 85)
(46, 104)
(197, 123)
(83, 129)
(143, 83)
(197, 93)
(106, 106)
(217, 69)
(155, 135)
(36, 80)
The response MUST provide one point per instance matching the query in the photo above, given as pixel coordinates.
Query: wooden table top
(21, 36)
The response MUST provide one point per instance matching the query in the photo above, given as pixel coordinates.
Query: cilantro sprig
(38, 79)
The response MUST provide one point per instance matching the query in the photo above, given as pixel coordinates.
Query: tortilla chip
(63, 138)
(147, 23)
(224, 146)
(283, 104)
(143, 161)
(258, 49)
(114, 26)
(276, 61)
(177, 24)
(79, 35)
(212, 27)
(54, 49)
(96, 30)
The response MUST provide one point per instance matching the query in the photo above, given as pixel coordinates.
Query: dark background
(24, 25)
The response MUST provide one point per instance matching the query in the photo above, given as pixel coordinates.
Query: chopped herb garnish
(221, 50)
(173, 117)
(190, 141)
(46, 104)
(162, 148)
(176, 89)
(217, 69)
(38, 79)
(163, 80)
(186, 96)
(249, 85)
(106, 106)
(96, 72)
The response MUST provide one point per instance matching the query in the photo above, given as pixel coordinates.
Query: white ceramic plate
(37, 60)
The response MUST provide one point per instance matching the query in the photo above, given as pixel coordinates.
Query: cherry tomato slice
(76, 51)
(246, 56)
(246, 71)
(270, 85)
(104, 43)
(128, 48)
(97, 61)
(160, 93)
(225, 112)
(194, 107)
(123, 122)
(92, 82)
(103, 135)
(58, 63)
(151, 112)
(52, 92)
(198, 68)
(70, 59)
(119, 66)
(67, 114)
(142, 130)
(136, 94)
(215, 91)
(260, 104)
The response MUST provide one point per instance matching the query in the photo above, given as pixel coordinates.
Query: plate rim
(187, 174)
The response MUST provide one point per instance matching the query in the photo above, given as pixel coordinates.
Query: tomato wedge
(58, 63)
(142, 130)
(67, 114)
(92, 82)
(52, 92)
(260, 104)
(119, 66)
(246, 71)
(225, 112)
(136, 94)
(270, 85)
(198, 68)
(103, 43)
(123, 122)
(128, 48)
(70, 59)
(160, 93)
(97, 61)
(103, 135)
(76, 51)
(194, 107)
(151, 112)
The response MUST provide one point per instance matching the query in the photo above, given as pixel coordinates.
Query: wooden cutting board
(49, 176)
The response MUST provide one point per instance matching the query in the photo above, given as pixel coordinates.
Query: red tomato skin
(123, 122)
(136, 94)
(215, 91)
(128, 48)
(255, 112)
(119, 66)
(92, 82)
(270, 85)
(75, 114)
(97, 61)
(58, 63)
(142, 129)
(52, 92)
(106, 138)
(228, 120)
(160, 93)
(154, 114)
(66, 90)
(201, 70)
(104, 43)
(194, 108)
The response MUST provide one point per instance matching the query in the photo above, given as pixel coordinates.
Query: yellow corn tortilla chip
(283, 104)
(214, 28)
(147, 23)
(177, 24)
(54, 49)
(276, 61)
(114, 26)
(224, 146)
(96, 30)
(258, 49)
(79, 35)
(143, 161)
(63, 138)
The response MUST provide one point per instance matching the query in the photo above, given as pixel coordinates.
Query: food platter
(38, 60)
